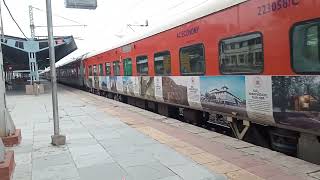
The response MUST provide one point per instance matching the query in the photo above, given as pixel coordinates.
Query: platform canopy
(16, 51)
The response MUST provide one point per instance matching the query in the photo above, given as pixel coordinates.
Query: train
(253, 65)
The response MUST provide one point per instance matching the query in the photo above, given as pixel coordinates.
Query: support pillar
(7, 163)
(1, 152)
(7, 127)
(6, 124)
(34, 73)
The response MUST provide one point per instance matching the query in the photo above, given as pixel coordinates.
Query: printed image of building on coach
(224, 93)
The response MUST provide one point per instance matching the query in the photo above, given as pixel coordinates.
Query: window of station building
(162, 63)
(305, 47)
(241, 58)
(108, 69)
(43, 44)
(142, 65)
(95, 70)
(90, 70)
(116, 68)
(243, 44)
(127, 67)
(192, 60)
(246, 56)
(234, 59)
(19, 44)
(100, 69)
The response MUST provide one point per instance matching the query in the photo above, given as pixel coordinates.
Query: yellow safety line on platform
(211, 162)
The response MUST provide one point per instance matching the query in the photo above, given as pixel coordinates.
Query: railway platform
(109, 140)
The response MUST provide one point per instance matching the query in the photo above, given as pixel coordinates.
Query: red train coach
(254, 64)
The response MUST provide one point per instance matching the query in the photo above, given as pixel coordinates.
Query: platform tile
(171, 158)
(193, 172)
(221, 167)
(139, 158)
(60, 172)
(52, 160)
(23, 172)
(242, 175)
(171, 178)
(22, 158)
(204, 158)
(108, 171)
(93, 159)
(149, 171)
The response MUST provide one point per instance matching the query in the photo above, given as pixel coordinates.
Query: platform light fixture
(81, 4)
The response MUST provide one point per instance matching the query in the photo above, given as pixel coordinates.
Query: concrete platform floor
(110, 140)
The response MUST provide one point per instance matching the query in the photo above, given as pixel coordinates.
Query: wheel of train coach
(284, 141)
(245, 61)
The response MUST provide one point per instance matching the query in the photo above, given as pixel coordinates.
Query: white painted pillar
(6, 124)
(34, 72)
(1, 151)
(3, 123)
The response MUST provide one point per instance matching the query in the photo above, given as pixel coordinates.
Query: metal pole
(2, 32)
(3, 125)
(57, 139)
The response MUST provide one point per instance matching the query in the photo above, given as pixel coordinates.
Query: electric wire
(5, 4)
(57, 15)
(170, 9)
(78, 24)
(197, 5)
(180, 12)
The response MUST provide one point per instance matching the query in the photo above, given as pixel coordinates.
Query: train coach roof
(58, 64)
(197, 12)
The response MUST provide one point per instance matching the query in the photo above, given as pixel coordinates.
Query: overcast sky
(106, 25)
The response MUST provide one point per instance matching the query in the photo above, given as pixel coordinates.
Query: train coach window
(245, 58)
(100, 69)
(127, 67)
(305, 47)
(162, 63)
(95, 70)
(108, 69)
(142, 65)
(192, 60)
(90, 70)
(116, 68)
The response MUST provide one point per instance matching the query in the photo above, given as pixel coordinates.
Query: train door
(81, 74)
(89, 79)
(95, 77)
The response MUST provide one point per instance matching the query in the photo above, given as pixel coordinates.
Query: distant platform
(16, 51)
